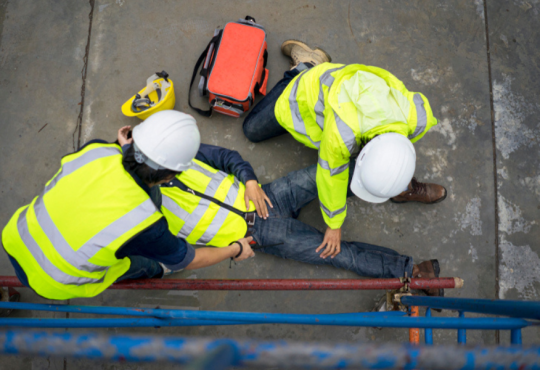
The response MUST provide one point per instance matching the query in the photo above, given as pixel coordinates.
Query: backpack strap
(215, 40)
(260, 86)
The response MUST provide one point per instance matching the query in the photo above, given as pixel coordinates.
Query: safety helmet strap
(141, 158)
(141, 101)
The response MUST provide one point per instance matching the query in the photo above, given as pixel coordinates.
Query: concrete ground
(66, 67)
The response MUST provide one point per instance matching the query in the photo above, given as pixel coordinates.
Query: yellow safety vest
(200, 221)
(336, 109)
(65, 240)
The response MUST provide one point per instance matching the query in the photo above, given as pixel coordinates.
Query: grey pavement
(483, 87)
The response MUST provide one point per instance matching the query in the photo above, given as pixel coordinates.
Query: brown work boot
(300, 52)
(428, 270)
(421, 192)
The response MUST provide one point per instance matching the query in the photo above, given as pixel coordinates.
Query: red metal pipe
(270, 284)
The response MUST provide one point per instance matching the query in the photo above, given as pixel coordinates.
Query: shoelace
(418, 187)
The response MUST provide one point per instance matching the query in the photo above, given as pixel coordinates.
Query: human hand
(123, 136)
(247, 252)
(258, 197)
(332, 241)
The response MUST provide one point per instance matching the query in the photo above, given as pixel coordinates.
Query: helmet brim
(362, 193)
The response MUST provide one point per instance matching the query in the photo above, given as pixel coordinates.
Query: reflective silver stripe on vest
(117, 228)
(221, 215)
(173, 207)
(50, 269)
(60, 244)
(333, 171)
(299, 125)
(330, 213)
(421, 116)
(79, 259)
(325, 79)
(347, 134)
(199, 168)
(72, 166)
(203, 205)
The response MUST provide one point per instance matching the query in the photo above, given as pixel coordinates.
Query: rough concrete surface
(514, 50)
(485, 230)
(41, 57)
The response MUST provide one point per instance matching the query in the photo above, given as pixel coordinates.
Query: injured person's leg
(292, 239)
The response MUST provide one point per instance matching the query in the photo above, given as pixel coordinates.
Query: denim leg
(292, 192)
(261, 123)
(300, 241)
(21, 275)
(142, 268)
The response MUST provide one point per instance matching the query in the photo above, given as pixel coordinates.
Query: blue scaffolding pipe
(221, 318)
(112, 323)
(428, 333)
(160, 317)
(143, 312)
(515, 336)
(263, 354)
(521, 309)
(462, 333)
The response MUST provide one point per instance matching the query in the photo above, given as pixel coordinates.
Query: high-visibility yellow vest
(65, 240)
(200, 221)
(336, 109)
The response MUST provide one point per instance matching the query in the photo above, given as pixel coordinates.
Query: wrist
(236, 249)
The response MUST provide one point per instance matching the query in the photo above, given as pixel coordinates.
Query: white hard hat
(384, 168)
(167, 140)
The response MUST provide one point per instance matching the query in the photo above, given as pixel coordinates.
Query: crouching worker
(338, 109)
(95, 222)
(218, 201)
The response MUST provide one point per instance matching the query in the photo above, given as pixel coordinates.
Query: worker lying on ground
(338, 109)
(95, 222)
(218, 201)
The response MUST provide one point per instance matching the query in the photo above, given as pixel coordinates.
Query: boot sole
(435, 202)
(287, 45)
(325, 54)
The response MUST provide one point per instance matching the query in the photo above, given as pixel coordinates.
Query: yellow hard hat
(156, 96)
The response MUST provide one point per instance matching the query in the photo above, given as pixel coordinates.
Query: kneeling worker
(337, 109)
(95, 222)
(218, 200)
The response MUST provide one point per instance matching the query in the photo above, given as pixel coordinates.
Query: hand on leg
(332, 241)
(257, 195)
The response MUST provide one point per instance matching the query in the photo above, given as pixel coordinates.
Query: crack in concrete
(78, 126)
(495, 179)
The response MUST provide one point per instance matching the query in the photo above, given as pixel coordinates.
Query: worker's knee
(251, 130)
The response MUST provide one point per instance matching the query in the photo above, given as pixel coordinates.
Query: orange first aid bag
(234, 68)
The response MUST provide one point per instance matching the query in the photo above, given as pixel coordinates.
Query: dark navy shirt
(228, 161)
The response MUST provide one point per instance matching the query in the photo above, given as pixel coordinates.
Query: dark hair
(145, 173)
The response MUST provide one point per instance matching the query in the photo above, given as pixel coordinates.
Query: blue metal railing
(521, 309)
(160, 317)
(262, 354)
(211, 354)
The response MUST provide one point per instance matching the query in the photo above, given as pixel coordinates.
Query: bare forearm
(205, 257)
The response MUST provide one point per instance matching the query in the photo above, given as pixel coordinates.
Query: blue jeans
(298, 241)
(261, 123)
(142, 268)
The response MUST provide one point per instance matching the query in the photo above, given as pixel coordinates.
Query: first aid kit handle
(205, 113)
